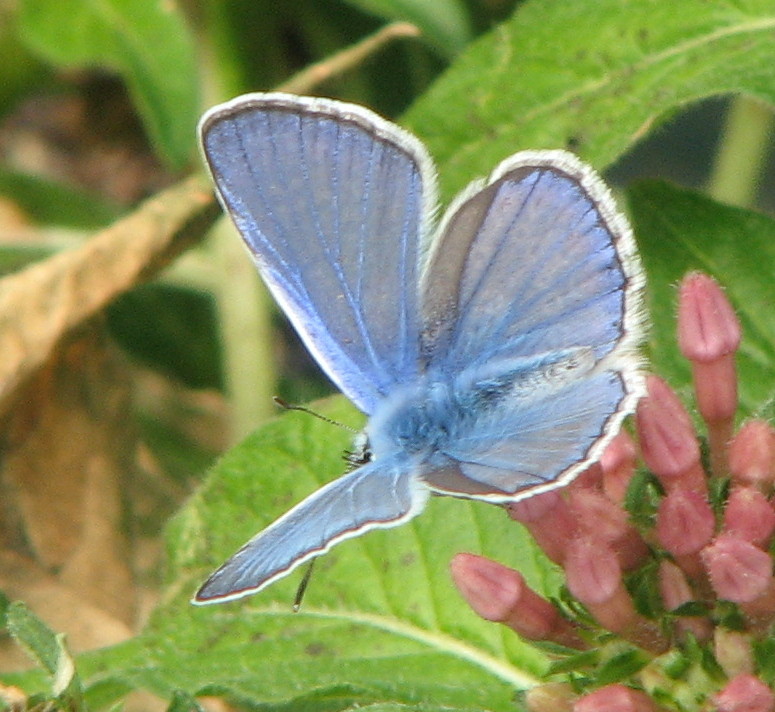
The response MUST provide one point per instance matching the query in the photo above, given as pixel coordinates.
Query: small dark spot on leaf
(408, 559)
(573, 143)
(315, 649)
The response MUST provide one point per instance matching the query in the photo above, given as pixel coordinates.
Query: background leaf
(589, 76)
(445, 23)
(680, 230)
(172, 329)
(380, 621)
(54, 203)
(35, 636)
(146, 41)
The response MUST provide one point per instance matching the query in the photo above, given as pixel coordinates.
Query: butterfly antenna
(290, 406)
(303, 587)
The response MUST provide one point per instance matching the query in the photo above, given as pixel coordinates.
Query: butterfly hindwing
(374, 496)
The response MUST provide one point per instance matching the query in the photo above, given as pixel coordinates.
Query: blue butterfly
(494, 353)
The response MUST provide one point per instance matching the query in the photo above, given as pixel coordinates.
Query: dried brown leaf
(42, 303)
(68, 453)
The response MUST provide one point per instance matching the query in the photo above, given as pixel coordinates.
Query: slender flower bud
(745, 693)
(591, 478)
(498, 593)
(752, 454)
(594, 577)
(667, 437)
(685, 522)
(738, 570)
(602, 519)
(708, 327)
(549, 520)
(708, 335)
(618, 698)
(618, 466)
(749, 515)
(593, 572)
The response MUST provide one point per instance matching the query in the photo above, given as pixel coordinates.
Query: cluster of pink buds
(693, 527)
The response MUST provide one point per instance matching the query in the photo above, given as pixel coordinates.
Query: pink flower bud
(588, 479)
(745, 693)
(667, 437)
(749, 515)
(592, 571)
(618, 466)
(600, 518)
(498, 593)
(715, 387)
(594, 577)
(598, 515)
(738, 570)
(535, 508)
(615, 698)
(549, 520)
(685, 522)
(707, 325)
(492, 590)
(709, 334)
(673, 586)
(752, 454)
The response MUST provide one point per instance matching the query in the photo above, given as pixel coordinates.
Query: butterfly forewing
(534, 261)
(331, 200)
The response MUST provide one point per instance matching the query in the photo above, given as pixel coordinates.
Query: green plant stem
(742, 152)
(246, 333)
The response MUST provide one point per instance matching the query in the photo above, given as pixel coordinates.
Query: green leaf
(675, 663)
(764, 656)
(381, 621)
(4, 605)
(575, 663)
(145, 41)
(47, 649)
(49, 203)
(171, 329)
(729, 615)
(19, 69)
(621, 667)
(691, 609)
(444, 23)
(679, 230)
(643, 585)
(183, 702)
(641, 500)
(589, 76)
(34, 636)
